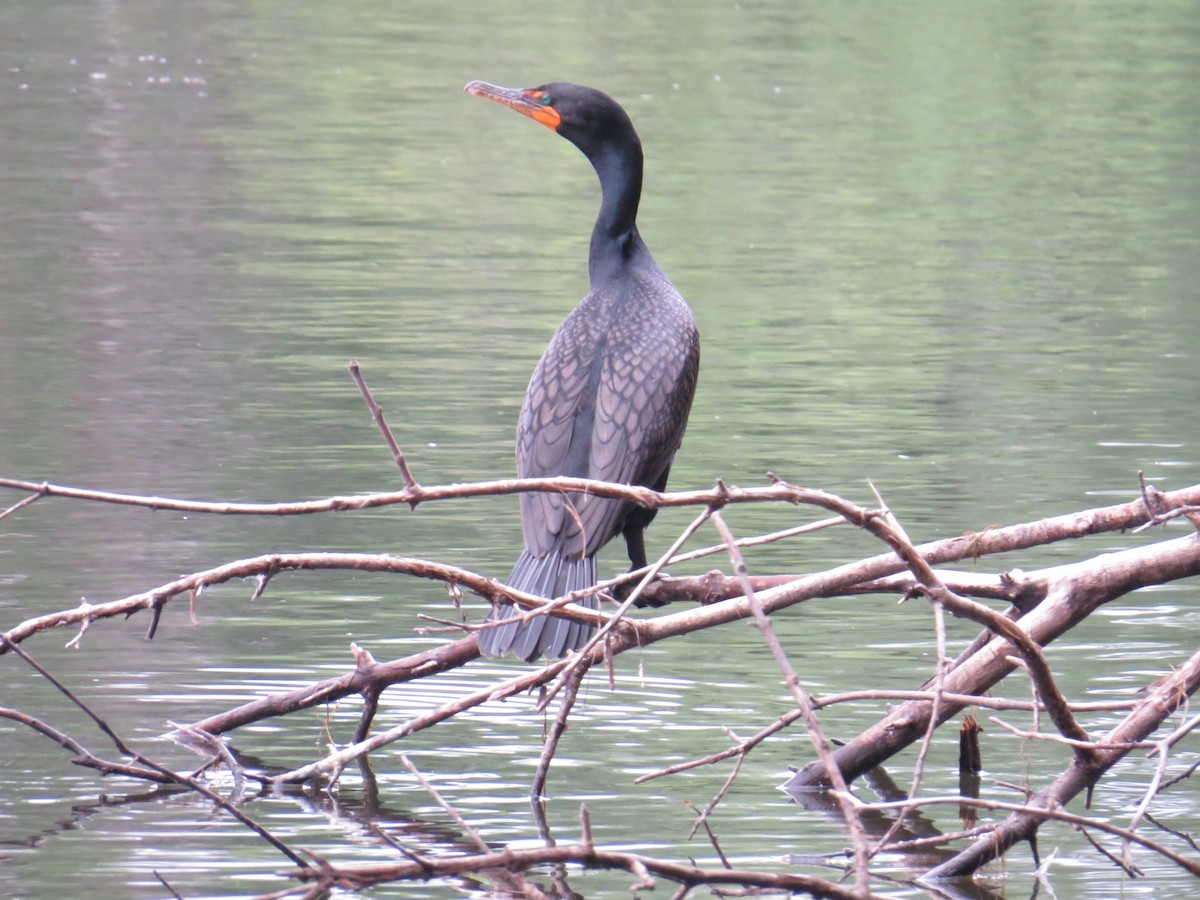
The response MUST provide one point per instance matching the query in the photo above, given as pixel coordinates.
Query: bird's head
(583, 115)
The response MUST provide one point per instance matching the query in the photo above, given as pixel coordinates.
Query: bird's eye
(546, 99)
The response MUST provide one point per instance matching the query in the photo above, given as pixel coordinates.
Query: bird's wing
(554, 430)
(604, 403)
(642, 403)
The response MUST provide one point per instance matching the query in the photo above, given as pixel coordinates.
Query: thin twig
(1181, 835)
(702, 819)
(941, 664)
(1154, 502)
(84, 624)
(184, 780)
(330, 767)
(21, 504)
(1163, 750)
(761, 540)
(603, 632)
(792, 716)
(377, 415)
(163, 881)
(574, 677)
(702, 816)
(800, 696)
(937, 840)
(1124, 864)
(467, 829)
(1089, 745)
(83, 756)
(939, 680)
(1182, 776)
(1060, 815)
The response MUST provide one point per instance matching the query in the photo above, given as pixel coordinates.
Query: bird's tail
(549, 576)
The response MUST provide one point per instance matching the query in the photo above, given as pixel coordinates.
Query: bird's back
(608, 401)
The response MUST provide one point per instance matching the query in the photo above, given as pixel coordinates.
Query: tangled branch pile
(1041, 606)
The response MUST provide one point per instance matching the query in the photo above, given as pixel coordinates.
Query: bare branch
(185, 780)
(816, 735)
(1170, 694)
(38, 493)
(279, 562)
(573, 678)
(791, 717)
(997, 540)
(645, 868)
(476, 838)
(377, 415)
(1046, 603)
(83, 756)
(1076, 590)
(1162, 508)
(1041, 814)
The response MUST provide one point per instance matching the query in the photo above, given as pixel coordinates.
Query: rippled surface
(951, 249)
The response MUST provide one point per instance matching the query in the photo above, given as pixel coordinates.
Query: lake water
(950, 249)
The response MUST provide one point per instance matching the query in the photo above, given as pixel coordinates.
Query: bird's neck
(615, 239)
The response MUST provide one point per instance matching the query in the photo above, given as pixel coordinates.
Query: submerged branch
(1164, 699)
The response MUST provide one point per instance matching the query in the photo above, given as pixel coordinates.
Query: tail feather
(550, 576)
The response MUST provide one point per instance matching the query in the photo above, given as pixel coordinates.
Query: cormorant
(610, 398)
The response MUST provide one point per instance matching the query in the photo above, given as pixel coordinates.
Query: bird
(610, 398)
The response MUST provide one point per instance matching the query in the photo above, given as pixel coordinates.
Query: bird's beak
(526, 102)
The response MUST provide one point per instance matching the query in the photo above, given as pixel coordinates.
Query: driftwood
(1043, 605)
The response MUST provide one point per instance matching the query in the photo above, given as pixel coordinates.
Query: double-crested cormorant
(610, 398)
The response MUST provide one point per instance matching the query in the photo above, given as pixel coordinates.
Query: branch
(359, 877)
(1169, 695)
(415, 494)
(1075, 591)
(83, 756)
(1035, 662)
(804, 705)
(742, 747)
(1161, 507)
(573, 678)
(269, 565)
(330, 767)
(1059, 815)
(1073, 525)
(184, 780)
(377, 415)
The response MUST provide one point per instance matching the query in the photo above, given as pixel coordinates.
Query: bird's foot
(646, 599)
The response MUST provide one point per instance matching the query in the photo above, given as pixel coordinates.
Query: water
(951, 249)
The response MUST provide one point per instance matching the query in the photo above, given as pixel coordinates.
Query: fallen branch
(187, 781)
(361, 877)
(1083, 773)
(1045, 604)
(1075, 591)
